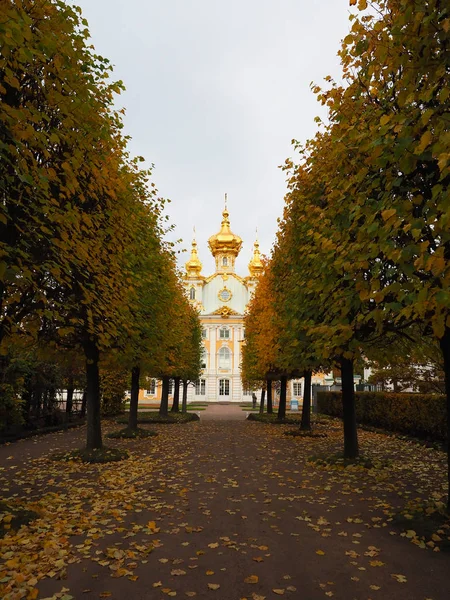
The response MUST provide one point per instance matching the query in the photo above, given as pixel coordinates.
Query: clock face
(225, 295)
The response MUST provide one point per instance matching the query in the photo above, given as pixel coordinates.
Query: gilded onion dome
(225, 242)
(255, 266)
(193, 265)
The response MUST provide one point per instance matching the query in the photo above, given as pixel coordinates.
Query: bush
(11, 417)
(114, 383)
(155, 417)
(419, 415)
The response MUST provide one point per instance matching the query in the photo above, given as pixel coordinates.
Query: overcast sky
(215, 92)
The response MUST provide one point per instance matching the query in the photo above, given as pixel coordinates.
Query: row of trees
(85, 275)
(361, 267)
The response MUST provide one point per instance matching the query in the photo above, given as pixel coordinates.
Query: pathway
(221, 510)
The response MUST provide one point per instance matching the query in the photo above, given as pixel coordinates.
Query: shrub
(11, 417)
(113, 386)
(419, 415)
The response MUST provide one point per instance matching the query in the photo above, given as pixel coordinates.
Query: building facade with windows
(221, 299)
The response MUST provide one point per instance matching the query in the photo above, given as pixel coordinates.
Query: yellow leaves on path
(213, 586)
(320, 552)
(399, 578)
(251, 579)
(278, 591)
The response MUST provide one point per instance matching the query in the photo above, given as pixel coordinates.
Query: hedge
(419, 415)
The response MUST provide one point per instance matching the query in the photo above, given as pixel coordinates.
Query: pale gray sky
(216, 91)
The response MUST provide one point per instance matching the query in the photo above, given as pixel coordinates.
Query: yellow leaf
(251, 579)
(425, 141)
(278, 591)
(213, 586)
(399, 578)
(387, 214)
(320, 552)
(210, 572)
(376, 563)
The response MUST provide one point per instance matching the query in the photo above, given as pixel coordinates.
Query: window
(203, 358)
(192, 293)
(297, 388)
(170, 387)
(224, 387)
(224, 333)
(200, 387)
(224, 358)
(225, 261)
(151, 389)
(204, 334)
(247, 391)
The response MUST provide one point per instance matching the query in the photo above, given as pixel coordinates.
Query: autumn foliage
(83, 264)
(363, 251)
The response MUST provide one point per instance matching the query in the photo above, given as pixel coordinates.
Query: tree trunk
(176, 396)
(164, 406)
(306, 409)
(269, 397)
(83, 405)
(94, 429)
(444, 343)
(69, 397)
(261, 402)
(134, 399)
(282, 405)
(184, 397)
(349, 411)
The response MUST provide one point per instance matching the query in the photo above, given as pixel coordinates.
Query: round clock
(224, 295)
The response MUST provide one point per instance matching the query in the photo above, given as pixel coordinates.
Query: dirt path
(221, 509)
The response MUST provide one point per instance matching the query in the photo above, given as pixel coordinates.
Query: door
(224, 389)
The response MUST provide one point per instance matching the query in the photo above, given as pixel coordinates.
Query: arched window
(225, 261)
(192, 293)
(224, 358)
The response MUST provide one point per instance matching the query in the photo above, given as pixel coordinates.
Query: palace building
(221, 299)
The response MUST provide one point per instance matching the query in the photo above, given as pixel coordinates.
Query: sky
(215, 93)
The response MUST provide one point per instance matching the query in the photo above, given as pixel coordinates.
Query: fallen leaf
(213, 586)
(251, 579)
(399, 578)
(278, 591)
(320, 552)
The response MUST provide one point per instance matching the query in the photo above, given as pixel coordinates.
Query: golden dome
(225, 241)
(255, 266)
(193, 265)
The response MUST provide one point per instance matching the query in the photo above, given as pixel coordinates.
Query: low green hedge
(419, 415)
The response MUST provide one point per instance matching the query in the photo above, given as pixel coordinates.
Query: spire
(255, 266)
(193, 265)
